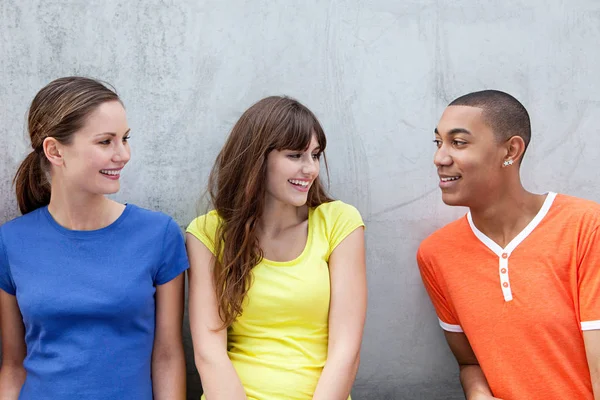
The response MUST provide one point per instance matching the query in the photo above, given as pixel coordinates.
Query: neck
(508, 214)
(277, 217)
(82, 211)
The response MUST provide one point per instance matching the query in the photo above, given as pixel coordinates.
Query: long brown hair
(58, 111)
(237, 190)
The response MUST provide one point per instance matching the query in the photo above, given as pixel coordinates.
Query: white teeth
(110, 171)
(452, 178)
(297, 182)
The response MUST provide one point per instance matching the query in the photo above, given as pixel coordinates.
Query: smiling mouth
(303, 184)
(110, 172)
(450, 178)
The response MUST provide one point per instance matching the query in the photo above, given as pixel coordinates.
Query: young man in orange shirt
(516, 282)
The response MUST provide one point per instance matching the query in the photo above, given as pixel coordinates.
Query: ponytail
(31, 184)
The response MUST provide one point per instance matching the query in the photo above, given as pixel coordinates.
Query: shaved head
(502, 112)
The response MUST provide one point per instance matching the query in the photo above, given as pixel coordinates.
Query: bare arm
(472, 378)
(168, 360)
(591, 340)
(347, 314)
(12, 373)
(219, 378)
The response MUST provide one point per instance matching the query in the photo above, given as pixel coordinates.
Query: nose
(122, 153)
(442, 157)
(310, 167)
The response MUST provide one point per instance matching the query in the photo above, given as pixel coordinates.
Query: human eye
(294, 156)
(437, 142)
(316, 156)
(105, 142)
(458, 143)
(126, 138)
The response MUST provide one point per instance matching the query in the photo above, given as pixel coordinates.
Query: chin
(111, 190)
(453, 200)
(298, 202)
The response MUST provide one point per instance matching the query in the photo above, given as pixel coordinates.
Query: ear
(52, 150)
(515, 147)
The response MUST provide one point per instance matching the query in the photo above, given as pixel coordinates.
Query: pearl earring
(507, 163)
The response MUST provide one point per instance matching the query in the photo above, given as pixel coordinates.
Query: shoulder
(336, 209)
(583, 212)
(332, 222)
(576, 205)
(20, 225)
(205, 225)
(26, 220)
(447, 236)
(204, 228)
(150, 225)
(148, 219)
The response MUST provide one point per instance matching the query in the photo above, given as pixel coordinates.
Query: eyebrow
(113, 134)
(454, 131)
(318, 148)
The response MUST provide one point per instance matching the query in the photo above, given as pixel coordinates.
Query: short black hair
(502, 112)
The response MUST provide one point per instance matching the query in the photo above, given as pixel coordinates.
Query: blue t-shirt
(87, 300)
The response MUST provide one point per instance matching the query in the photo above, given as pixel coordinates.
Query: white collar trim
(521, 236)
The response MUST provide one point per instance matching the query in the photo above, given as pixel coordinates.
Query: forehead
(462, 117)
(107, 117)
(314, 142)
(312, 145)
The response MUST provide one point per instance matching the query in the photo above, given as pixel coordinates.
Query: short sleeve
(204, 228)
(345, 220)
(589, 282)
(446, 317)
(6, 281)
(174, 257)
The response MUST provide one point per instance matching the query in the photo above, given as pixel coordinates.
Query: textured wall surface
(378, 73)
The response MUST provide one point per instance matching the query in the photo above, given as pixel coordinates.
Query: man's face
(468, 157)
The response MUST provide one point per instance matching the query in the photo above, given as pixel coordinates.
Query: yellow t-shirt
(278, 346)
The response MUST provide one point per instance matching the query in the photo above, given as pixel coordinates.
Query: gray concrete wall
(378, 73)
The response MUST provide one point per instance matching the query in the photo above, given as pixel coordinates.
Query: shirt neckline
(304, 251)
(517, 240)
(86, 234)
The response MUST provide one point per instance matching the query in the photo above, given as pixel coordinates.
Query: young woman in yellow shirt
(277, 294)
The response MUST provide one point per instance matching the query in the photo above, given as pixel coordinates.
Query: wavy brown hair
(237, 190)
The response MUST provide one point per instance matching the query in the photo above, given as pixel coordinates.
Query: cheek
(273, 175)
(282, 168)
(96, 158)
(482, 160)
(92, 160)
(486, 169)
(270, 182)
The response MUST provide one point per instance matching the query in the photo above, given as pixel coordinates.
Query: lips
(448, 181)
(300, 184)
(111, 173)
(449, 178)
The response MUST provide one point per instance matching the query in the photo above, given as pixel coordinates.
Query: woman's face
(291, 173)
(98, 152)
